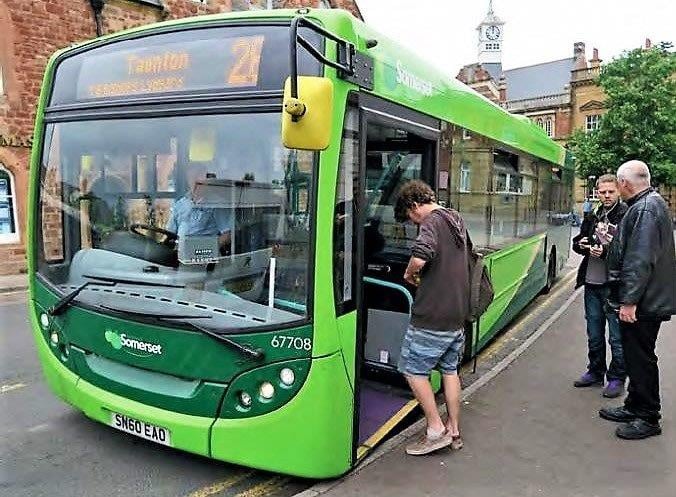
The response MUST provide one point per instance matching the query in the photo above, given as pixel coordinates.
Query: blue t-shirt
(187, 219)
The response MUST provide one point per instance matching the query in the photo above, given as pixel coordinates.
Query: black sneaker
(617, 414)
(587, 380)
(638, 430)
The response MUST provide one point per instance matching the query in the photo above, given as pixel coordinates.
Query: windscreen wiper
(60, 305)
(242, 349)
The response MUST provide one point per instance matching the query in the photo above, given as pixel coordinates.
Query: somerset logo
(132, 345)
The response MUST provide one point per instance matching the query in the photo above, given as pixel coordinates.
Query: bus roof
(400, 76)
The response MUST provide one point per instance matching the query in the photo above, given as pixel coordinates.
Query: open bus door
(395, 148)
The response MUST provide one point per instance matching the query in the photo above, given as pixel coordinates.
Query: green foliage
(641, 119)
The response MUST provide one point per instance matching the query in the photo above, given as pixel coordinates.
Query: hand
(412, 278)
(584, 243)
(596, 250)
(628, 313)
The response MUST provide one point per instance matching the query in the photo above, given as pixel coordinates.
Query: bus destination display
(186, 66)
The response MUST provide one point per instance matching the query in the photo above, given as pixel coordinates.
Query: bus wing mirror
(306, 118)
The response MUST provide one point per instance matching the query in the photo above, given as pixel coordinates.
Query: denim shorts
(424, 350)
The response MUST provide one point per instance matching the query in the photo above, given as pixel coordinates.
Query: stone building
(29, 33)
(560, 96)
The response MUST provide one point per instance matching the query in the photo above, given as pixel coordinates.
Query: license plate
(141, 429)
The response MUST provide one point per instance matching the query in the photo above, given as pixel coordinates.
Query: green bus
(214, 260)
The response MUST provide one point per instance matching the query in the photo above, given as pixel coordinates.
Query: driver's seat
(140, 247)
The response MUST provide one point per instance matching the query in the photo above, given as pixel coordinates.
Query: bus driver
(188, 218)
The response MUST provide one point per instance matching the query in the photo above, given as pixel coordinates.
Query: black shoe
(617, 414)
(638, 430)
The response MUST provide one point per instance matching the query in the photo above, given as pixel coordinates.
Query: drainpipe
(97, 8)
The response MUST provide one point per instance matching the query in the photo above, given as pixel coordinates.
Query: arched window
(549, 127)
(540, 122)
(9, 230)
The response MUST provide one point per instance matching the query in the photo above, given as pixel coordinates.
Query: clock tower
(490, 38)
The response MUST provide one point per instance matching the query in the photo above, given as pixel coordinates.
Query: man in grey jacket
(642, 272)
(439, 267)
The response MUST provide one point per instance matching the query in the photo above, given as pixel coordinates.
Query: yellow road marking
(221, 485)
(266, 488)
(13, 386)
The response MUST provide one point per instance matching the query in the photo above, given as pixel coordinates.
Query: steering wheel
(170, 236)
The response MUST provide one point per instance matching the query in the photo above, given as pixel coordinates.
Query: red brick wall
(30, 31)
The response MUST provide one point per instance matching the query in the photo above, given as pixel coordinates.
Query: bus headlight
(245, 399)
(287, 376)
(44, 320)
(267, 390)
(54, 337)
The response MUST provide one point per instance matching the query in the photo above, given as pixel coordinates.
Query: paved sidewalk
(13, 283)
(528, 432)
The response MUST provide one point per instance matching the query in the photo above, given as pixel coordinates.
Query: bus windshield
(197, 215)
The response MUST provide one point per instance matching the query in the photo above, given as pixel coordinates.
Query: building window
(549, 126)
(466, 135)
(540, 122)
(2, 82)
(324, 4)
(9, 232)
(592, 122)
(465, 184)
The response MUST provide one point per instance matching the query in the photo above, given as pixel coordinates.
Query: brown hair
(606, 178)
(412, 192)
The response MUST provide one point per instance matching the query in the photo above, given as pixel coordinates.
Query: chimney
(595, 61)
(580, 61)
(502, 88)
(648, 43)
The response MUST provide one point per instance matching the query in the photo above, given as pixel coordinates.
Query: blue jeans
(597, 314)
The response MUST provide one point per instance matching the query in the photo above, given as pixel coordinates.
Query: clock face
(492, 32)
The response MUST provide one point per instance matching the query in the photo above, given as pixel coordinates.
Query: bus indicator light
(245, 399)
(267, 390)
(287, 376)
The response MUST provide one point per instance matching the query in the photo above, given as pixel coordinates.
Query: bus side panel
(518, 273)
(311, 436)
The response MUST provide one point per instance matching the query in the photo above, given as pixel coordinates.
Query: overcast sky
(443, 31)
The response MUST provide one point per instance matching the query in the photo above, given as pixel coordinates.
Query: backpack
(481, 291)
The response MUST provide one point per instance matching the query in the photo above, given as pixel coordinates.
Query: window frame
(549, 127)
(465, 177)
(592, 122)
(15, 236)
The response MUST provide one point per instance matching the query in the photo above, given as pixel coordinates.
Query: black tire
(551, 273)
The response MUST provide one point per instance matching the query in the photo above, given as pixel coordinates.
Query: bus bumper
(310, 436)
